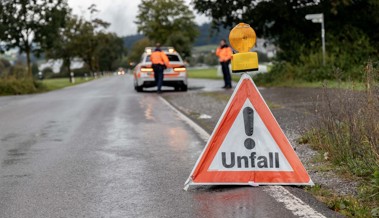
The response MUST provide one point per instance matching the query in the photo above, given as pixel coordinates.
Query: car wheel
(184, 88)
(138, 88)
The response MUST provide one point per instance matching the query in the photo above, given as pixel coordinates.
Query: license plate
(168, 71)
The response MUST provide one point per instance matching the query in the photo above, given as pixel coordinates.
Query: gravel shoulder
(294, 109)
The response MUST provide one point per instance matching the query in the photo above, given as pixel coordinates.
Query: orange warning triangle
(248, 146)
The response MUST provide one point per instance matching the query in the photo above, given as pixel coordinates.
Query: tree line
(284, 23)
(48, 27)
(207, 36)
(351, 32)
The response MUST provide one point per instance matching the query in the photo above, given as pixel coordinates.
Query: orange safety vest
(159, 57)
(224, 54)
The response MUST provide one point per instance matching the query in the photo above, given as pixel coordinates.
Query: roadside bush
(348, 126)
(15, 81)
(345, 53)
(347, 133)
(4, 66)
(47, 72)
(18, 71)
(280, 71)
(13, 86)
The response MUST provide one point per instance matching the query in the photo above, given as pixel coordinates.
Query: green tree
(283, 22)
(137, 50)
(31, 26)
(181, 43)
(168, 21)
(66, 47)
(123, 62)
(110, 50)
(88, 41)
(35, 69)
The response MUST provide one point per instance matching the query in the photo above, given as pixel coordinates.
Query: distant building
(56, 65)
(265, 47)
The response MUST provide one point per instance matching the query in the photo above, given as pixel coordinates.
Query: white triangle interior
(265, 156)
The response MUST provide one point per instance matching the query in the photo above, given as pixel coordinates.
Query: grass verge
(346, 133)
(12, 86)
(54, 84)
(347, 205)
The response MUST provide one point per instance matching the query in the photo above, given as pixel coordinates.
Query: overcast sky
(120, 13)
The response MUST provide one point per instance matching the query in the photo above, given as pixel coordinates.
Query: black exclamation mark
(248, 117)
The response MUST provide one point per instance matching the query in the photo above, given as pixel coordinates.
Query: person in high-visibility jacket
(224, 53)
(159, 62)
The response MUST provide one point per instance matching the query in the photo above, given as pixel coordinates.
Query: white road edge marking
(202, 133)
(291, 202)
(279, 193)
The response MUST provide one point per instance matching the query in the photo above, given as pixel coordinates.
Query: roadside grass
(349, 206)
(346, 133)
(20, 86)
(13, 86)
(59, 83)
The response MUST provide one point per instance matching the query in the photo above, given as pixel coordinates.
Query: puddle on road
(176, 138)
(148, 110)
(227, 201)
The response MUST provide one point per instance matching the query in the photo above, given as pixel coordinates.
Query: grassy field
(205, 48)
(210, 73)
(12, 86)
(53, 84)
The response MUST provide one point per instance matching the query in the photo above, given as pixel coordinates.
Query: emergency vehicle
(175, 75)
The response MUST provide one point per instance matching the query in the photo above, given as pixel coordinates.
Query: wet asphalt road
(102, 150)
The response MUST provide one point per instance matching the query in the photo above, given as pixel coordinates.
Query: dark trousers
(226, 72)
(158, 75)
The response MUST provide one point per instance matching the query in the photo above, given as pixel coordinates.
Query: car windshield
(171, 58)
